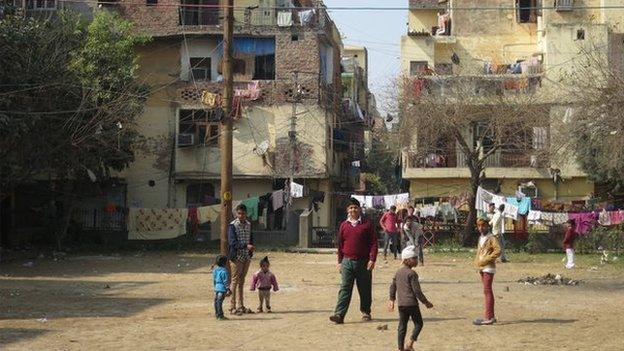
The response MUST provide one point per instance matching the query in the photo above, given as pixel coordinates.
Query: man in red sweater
(390, 224)
(357, 253)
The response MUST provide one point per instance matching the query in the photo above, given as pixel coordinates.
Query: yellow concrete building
(449, 39)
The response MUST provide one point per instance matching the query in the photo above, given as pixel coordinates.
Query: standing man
(389, 223)
(488, 251)
(241, 250)
(497, 223)
(357, 253)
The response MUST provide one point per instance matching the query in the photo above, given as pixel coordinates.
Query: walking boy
(488, 251)
(405, 283)
(357, 253)
(568, 243)
(241, 250)
(389, 223)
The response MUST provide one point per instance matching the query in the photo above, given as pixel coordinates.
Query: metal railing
(98, 219)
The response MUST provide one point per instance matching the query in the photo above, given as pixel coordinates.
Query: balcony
(427, 4)
(490, 85)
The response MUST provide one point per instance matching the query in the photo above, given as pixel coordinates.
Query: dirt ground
(163, 301)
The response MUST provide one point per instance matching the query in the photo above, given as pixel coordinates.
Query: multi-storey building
(520, 45)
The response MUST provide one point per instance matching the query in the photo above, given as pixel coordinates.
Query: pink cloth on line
(617, 217)
(583, 222)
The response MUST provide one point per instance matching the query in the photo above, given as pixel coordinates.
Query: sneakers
(480, 321)
(366, 317)
(336, 319)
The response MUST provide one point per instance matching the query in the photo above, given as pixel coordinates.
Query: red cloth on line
(357, 242)
(194, 220)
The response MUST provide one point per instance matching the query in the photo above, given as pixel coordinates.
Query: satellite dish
(262, 149)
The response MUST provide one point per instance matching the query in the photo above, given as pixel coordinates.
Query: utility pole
(292, 135)
(225, 138)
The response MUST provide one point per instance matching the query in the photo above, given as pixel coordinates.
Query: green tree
(68, 99)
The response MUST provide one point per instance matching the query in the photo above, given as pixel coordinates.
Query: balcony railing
(499, 159)
(478, 86)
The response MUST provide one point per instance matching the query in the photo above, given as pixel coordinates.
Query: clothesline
(383, 201)
(520, 205)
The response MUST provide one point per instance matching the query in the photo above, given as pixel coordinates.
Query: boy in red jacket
(357, 253)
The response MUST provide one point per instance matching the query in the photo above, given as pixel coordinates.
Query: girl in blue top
(221, 279)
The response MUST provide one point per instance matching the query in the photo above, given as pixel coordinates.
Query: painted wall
(570, 189)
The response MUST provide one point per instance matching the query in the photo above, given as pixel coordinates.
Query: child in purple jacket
(263, 280)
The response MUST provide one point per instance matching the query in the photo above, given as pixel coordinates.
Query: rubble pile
(548, 279)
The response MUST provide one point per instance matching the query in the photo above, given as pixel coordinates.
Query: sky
(380, 32)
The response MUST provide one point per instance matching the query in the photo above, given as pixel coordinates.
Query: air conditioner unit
(185, 140)
(564, 5)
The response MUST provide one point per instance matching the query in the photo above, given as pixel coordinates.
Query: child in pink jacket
(263, 280)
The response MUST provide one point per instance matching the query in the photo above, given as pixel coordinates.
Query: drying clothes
(252, 207)
(193, 221)
(207, 214)
(368, 202)
(296, 190)
(583, 222)
(511, 211)
(498, 200)
(403, 200)
(156, 224)
(448, 212)
(483, 199)
(554, 218)
(317, 197)
(428, 211)
(523, 204)
(378, 202)
(265, 203)
(389, 200)
(284, 18)
(277, 198)
(306, 16)
(617, 217)
(534, 217)
(604, 218)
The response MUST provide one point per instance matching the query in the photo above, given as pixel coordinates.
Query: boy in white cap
(405, 284)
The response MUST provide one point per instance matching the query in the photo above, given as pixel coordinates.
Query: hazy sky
(380, 32)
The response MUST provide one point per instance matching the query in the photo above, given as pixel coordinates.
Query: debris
(382, 327)
(506, 289)
(106, 286)
(42, 320)
(593, 268)
(29, 264)
(548, 279)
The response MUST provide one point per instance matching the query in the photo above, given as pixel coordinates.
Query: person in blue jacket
(241, 248)
(221, 279)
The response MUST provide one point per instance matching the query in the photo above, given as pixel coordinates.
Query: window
(294, 37)
(526, 11)
(265, 67)
(202, 124)
(202, 194)
(205, 15)
(418, 67)
(151, 2)
(580, 34)
(200, 68)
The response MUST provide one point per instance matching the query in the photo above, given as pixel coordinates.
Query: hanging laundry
(306, 16)
(483, 199)
(207, 214)
(156, 224)
(534, 217)
(523, 204)
(617, 217)
(448, 212)
(403, 200)
(237, 108)
(368, 201)
(511, 211)
(356, 164)
(277, 197)
(389, 200)
(296, 190)
(583, 222)
(378, 202)
(252, 207)
(604, 218)
(284, 18)
(193, 221)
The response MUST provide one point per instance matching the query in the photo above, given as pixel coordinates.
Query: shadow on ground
(13, 335)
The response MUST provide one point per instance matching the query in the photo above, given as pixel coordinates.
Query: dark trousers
(391, 240)
(218, 303)
(355, 271)
(405, 313)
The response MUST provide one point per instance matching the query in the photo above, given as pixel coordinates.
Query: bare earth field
(163, 301)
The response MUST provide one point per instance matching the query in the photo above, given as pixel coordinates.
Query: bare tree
(473, 122)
